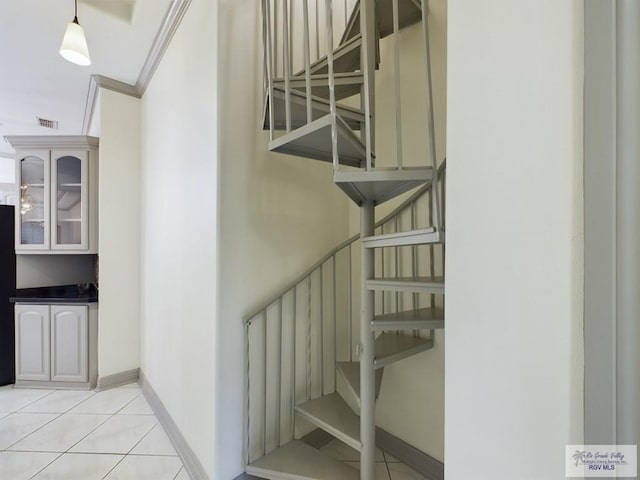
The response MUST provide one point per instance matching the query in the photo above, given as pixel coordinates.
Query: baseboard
(52, 385)
(191, 463)
(428, 466)
(117, 379)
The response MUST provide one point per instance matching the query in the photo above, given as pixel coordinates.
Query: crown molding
(52, 141)
(161, 42)
(95, 84)
(170, 24)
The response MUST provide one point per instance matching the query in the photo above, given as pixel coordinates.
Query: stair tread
(314, 141)
(346, 58)
(380, 185)
(422, 236)
(346, 84)
(431, 317)
(319, 106)
(351, 373)
(333, 415)
(298, 461)
(408, 284)
(409, 13)
(391, 347)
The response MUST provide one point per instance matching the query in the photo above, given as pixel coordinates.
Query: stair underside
(350, 371)
(298, 461)
(332, 414)
(408, 284)
(346, 85)
(408, 14)
(314, 141)
(391, 347)
(346, 58)
(418, 319)
(319, 108)
(423, 236)
(381, 185)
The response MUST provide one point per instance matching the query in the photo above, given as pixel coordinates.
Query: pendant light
(74, 44)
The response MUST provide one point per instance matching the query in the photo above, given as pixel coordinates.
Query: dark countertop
(57, 294)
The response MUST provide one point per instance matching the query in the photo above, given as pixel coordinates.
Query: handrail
(418, 193)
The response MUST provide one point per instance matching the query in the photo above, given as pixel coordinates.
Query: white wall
(278, 215)
(514, 369)
(7, 170)
(119, 233)
(179, 229)
(7, 180)
(46, 270)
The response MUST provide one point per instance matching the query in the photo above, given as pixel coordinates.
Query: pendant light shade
(74, 43)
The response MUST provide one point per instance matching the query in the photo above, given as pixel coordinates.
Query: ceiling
(35, 81)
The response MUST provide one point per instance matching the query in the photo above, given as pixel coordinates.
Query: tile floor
(387, 467)
(111, 435)
(72, 435)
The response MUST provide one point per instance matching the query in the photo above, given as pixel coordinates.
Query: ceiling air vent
(43, 122)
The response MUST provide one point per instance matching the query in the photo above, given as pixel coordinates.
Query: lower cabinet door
(32, 343)
(69, 343)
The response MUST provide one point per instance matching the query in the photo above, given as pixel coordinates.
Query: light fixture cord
(75, 16)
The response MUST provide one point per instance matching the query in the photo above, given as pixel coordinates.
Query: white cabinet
(33, 344)
(69, 343)
(58, 194)
(56, 345)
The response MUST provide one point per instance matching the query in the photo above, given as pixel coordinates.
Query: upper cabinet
(57, 203)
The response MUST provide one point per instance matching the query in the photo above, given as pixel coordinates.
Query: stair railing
(294, 340)
(288, 27)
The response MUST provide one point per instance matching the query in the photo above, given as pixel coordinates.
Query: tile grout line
(179, 471)
(143, 437)
(68, 450)
(57, 415)
(94, 453)
(31, 403)
(129, 402)
(46, 466)
(63, 413)
(114, 467)
(109, 416)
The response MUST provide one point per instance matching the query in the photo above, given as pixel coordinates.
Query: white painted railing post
(430, 117)
(307, 59)
(368, 68)
(366, 350)
(397, 82)
(287, 64)
(268, 59)
(332, 86)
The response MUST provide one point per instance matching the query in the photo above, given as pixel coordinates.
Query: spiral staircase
(326, 111)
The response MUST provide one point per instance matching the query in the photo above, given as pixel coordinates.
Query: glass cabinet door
(33, 229)
(69, 201)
